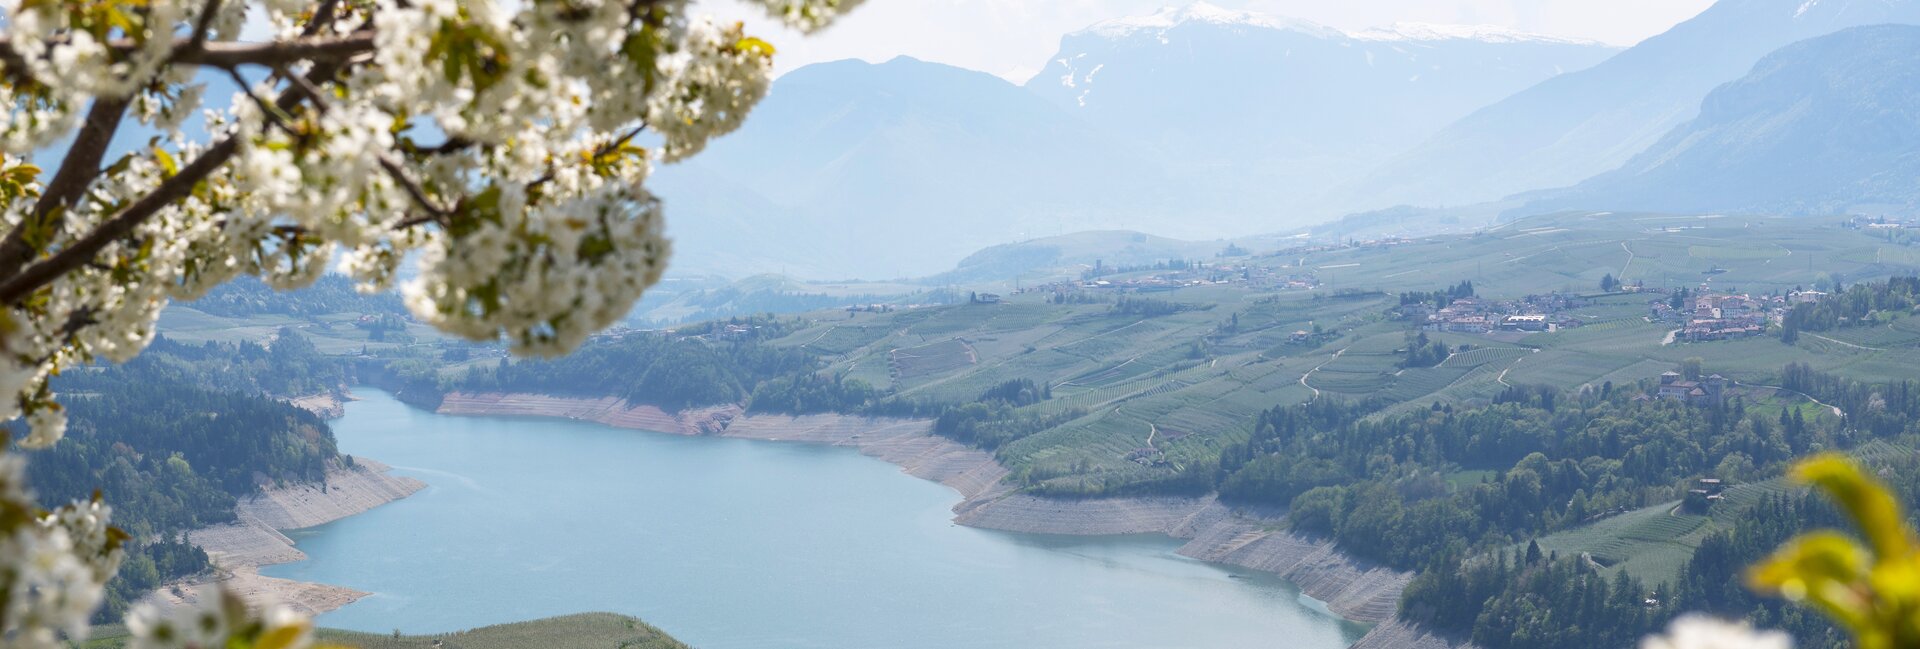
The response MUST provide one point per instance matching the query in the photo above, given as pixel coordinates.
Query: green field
(1189, 379)
(1194, 373)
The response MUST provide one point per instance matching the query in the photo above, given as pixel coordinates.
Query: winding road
(1316, 368)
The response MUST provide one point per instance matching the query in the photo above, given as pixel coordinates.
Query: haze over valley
(463, 324)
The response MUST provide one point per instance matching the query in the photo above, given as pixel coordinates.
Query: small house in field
(1530, 322)
(1704, 391)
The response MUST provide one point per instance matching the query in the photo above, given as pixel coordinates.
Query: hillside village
(1706, 316)
(1476, 315)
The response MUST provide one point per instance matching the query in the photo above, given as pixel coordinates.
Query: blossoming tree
(503, 145)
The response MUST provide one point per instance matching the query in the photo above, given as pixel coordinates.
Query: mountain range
(1824, 126)
(1588, 122)
(1202, 123)
(1197, 123)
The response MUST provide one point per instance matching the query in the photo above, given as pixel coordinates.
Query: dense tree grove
(1147, 307)
(132, 440)
(1881, 409)
(248, 296)
(1854, 305)
(1712, 580)
(1424, 352)
(1558, 459)
(1536, 460)
(1511, 600)
(996, 419)
(173, 437)
(289, 367)
(1439, 298)
(1527, 600)
(667, 371)
(806, 393)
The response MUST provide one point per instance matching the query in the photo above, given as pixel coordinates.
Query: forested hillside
(172, 438)
(329, 294)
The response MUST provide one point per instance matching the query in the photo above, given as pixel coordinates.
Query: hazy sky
(1012, 38)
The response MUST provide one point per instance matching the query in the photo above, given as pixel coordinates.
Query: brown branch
(452, 145)
(83, 251)
(322, 16)
(393, 167)
(39, 275)
(202, 26)
(224, 54)
(602, 150)
(77, 170)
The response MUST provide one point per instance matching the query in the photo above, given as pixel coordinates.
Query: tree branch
(203, 25)
(77, 170)
(225, 54)
(603, 149)
(84, 250)
(393, 167)
(322, 16)
(17, 287)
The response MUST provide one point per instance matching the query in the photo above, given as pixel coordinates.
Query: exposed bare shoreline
(1352, 589)
(254, 540)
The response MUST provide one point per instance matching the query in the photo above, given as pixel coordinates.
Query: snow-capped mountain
(1195, 122)
(1411, 31)
(1262, 111)
(1580, 124)
(1202, 13)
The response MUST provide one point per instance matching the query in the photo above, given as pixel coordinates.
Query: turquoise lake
(738, 544)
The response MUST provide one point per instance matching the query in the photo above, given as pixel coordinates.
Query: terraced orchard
(1212, 354)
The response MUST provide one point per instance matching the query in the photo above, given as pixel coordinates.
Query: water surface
(740, 544)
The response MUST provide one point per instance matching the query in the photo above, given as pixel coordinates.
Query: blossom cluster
(53, 565)
(1703, 632)
(222, 619)
(503, 144)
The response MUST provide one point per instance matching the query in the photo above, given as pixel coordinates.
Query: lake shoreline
(1352, 589)
(256, 538)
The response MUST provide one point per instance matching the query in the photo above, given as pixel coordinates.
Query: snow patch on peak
(1804, 6)
(1482, 33)
(1201, 12)
(1204, 13)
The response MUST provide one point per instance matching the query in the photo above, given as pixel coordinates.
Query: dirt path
(1846, 344)
(1836, 409)
(1316, 368)
(1502, 378)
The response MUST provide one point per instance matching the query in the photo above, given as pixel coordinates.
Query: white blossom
(1704, 632)
(498, 143)
(217, 619)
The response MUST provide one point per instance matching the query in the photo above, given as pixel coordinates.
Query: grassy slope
(1654, 543)
(579, 631)
(1137, 375)
(1198, 386)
